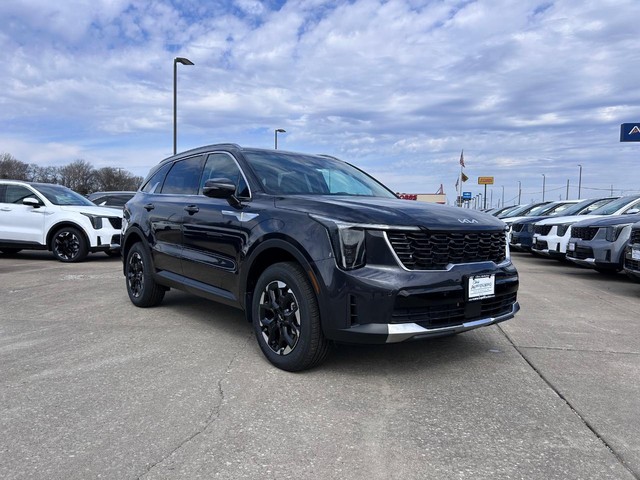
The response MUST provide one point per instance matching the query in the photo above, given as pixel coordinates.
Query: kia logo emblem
(467, 220)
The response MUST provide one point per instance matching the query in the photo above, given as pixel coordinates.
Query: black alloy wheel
(142, 289)
(69, 245)
(286, 318)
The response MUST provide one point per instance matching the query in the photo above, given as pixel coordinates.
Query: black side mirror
(221, 188)
(32, 202)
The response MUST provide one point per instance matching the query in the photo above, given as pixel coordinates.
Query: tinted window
(612, 207)
(221, 165)
(184, 177)
(154, 184)
(17, 193)
(287, 173)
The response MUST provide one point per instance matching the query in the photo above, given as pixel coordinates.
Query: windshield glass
(524, 210)
(284, 173)
(586, 206)
(612, 207)
(59, 195)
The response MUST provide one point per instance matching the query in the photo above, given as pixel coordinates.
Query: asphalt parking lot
(92, 387)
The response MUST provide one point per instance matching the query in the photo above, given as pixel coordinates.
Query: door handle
(191, 209)
(149, 206)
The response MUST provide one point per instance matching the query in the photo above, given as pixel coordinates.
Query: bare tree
(42, 174)
(110, 179)
(12, 168)
(79, 176)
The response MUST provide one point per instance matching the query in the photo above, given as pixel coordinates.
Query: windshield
(586, 206)
(284, 173)
(59, 195)
(612, 207)
(524, 210)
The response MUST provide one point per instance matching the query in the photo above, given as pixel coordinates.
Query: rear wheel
(138, 270)
(286, 318)
(69, 245)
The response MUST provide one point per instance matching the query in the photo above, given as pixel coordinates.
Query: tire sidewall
(307, 306)
(83, 249)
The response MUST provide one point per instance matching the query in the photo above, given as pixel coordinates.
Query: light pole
(519, 191)
(176, 61)
(502, 197)
(277, 131)
(543, 181)
(579, 181)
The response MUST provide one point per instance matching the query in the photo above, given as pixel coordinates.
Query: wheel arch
(55, 228)
(268, 253)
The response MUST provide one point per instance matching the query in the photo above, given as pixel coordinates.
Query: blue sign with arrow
(630, 132)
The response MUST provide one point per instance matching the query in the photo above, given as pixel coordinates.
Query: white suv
(552, 235)
(44, 216)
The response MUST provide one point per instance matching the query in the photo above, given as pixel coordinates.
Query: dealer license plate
(635, 253)
(482, 286)
(571, 247)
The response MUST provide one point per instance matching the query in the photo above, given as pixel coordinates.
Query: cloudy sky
(527, 88)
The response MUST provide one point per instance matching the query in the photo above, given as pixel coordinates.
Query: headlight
(562, 229)
(612, 233)
(347, 240)
(96, 221)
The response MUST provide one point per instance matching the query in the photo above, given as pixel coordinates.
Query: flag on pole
(457, 180)
(463, 177)
(462, 158)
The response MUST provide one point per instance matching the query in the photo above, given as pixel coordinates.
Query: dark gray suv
(313, 250)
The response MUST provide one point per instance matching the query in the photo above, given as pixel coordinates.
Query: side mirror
(31, 202)
(221, 188)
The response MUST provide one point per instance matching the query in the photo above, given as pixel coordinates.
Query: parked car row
(601, 233)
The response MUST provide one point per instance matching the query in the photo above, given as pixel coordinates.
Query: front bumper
(382, 304)
(550, 245)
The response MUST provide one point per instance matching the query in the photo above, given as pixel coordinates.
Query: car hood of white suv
(97, 211)
(567, 219)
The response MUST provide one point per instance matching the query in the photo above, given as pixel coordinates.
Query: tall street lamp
(502, 196)
(519, 191)
(176, 61)
(579, 181)
(543, 181)
(277, 131)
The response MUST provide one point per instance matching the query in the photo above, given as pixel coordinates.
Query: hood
(97, 211)
(526, 220)
(391, 211)
(567, 219)
(610, 220)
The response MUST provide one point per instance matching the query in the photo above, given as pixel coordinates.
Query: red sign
(408, 196)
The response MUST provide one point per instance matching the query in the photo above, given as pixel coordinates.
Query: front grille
(581, 253)
(635, 236)
(444, 311)
(632, 264)
(116, 222)
(435, 250)
(540, 245)
(542, 229)
(585, 233)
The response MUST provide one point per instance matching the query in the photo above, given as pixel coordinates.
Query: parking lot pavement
(92, 387)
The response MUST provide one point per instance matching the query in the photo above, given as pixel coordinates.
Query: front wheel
(138, 270)
(286, 318)
(69, 245)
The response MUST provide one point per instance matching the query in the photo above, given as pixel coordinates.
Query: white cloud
(397, 87)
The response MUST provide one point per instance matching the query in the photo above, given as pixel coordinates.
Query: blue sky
(398, 88)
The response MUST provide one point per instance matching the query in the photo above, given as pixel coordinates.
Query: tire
(69, 245)
(286, 318)
(138, 271)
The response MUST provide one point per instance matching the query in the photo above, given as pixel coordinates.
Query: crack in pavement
(213, 416)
